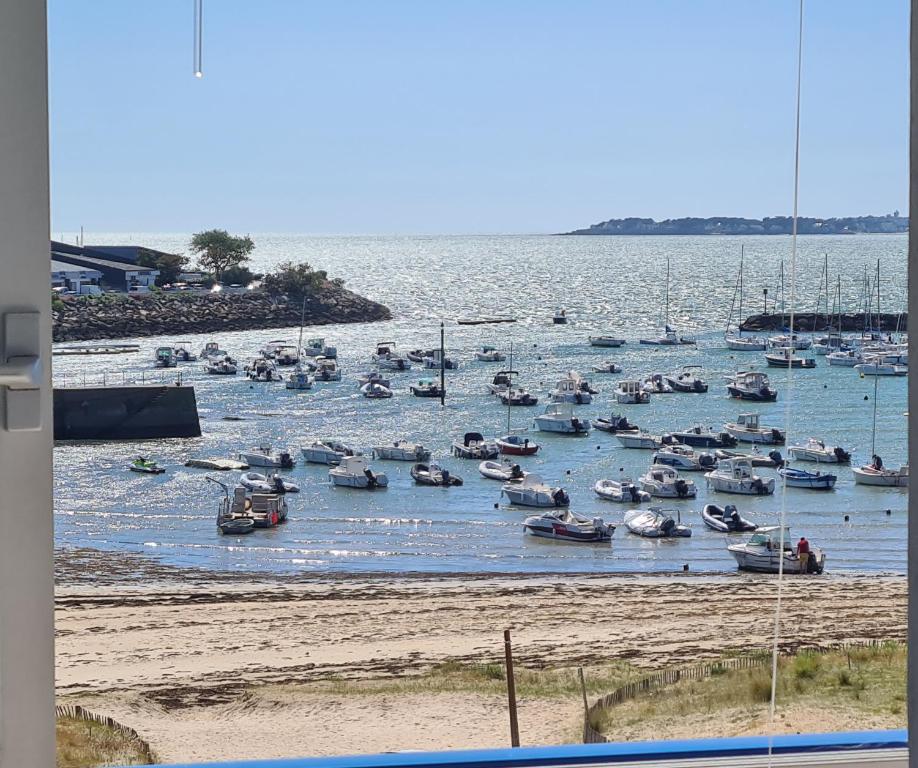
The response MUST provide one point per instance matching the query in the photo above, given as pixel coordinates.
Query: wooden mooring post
(511, 691)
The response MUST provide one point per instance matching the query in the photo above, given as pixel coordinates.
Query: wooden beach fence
(76, 712)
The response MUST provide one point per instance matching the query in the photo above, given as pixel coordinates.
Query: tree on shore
(170, 265)
(218, 250)
(293, 279)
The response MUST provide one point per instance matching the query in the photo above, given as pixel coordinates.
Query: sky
(470, 116)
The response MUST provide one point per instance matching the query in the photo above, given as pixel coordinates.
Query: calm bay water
(607, 284)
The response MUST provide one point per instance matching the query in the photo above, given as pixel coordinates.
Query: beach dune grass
(85, 744)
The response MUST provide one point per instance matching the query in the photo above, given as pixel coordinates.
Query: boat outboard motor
(777, 434)
(706, 460)
(286, 461)
(444, 475)
(278, 485)
(758, 486)
(666, 527)
(559, 497)
(516, 471)
(842, 455)
(635, 493)
(576, 424)
(777, 458)
(727, 439)
(371, 478)
(698, 386)
(681, 488)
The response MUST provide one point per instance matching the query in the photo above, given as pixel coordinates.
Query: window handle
(21, 370)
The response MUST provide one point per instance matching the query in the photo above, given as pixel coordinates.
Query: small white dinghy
(564, 525)
(270, 483)
(656, 523)
(354, 472)
(607, 366)
(401, 450)
(502, 470)
(488, 354)
(375, 391)
(605, 341)
(665, 483)
(623, 491)
(532, 492)
(643, 440)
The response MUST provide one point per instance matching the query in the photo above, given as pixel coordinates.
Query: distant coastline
(891, 223)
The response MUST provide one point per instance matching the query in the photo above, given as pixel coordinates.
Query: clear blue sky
(468, 116)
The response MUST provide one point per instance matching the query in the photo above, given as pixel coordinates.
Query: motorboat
(327, 452)
(801, 478)
(736, 476)
(318, 348)
(516, 445)
(234, 517)
(504, 471)
(299, 380)
(438, 360)
(269, 350)
(374, 377)
(474, 446)
(269, 483)
(401, 450)
(876, 473)
(752, 385)
(700, 436)
(768, 551)
(687, 380)
(287, 355)
(354, 472)
(264, 456)
(211, 350)
(565, 525)
(630, 393)
(790, 341)
(607, 366)
(164, 357)
(386, 357)
(656, 523)
(623, 491)
(755, 457)
(434, 474)
(874, 366)
(665, 483)
(572, 389)
(266, 509)
(846, 358)
(560, 317)
(220, 366)
(667, 338)
(517, 396)
(605, 341)
(489, 354)
(426, 388)
(825, 345)
(183, 353)
(739, 343)
(418, 355)
(501, 382)
(559, 417)
(375, 391)
(616, 424)
(262, 369)
(656, 384)
(145, 466)
(639, 440)
(684, 458)
(218, 464)
(725, 519)
(817, 450)
(747, 429)
(784, 357)
(326, 369)
(532, 492)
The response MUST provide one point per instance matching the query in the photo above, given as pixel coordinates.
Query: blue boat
(800, 478)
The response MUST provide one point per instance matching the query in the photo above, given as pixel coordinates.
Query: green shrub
(806, 665)
(760, 686)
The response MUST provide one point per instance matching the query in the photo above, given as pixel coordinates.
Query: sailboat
(300, 380)
(510, 443)
(735, 339)
(669, 337)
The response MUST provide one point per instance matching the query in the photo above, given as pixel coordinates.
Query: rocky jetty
(805, 322)
(114, 316)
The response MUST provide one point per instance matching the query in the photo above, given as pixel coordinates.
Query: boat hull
(559, 531)
(754, 395)
(884, 479)
(761, 561)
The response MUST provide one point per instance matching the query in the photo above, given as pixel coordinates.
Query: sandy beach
(210, 668)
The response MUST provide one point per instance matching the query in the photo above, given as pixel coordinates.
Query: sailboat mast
(838, 305)
(873, 439)
(739, 325)
(509, 387)
(666, 316)
(299, 343)
(879, 319)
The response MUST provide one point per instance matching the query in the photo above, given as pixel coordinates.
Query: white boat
(801, 478)
(630, 393)
(825, 345)
(501, 382)
(559, 417)
(269, 483)
(607, 366)
(474, 446)
(701, 436)
(354, 472)
(373, 377)
(517, 396)
(183, 352)
(734, 339)
(665, 483)
(271, 348)
(616, 424)
(747, 429)
(877, 474)
(505, 471)
(532, 492)
(387, 359)
(225, 366)
(738, 343)
(164, 357)
(327, 452)
(426, 388)
(605, 341)
(751, 385)
(211, 350)
(517, 445)
(656, 523)
(641, 440)
(560, 317)
(687, 380)
(684, 458)
(299, 380)
(725, 519)
(318, 348)
(564, 525)
(262, 369)
(623, 491)
(784, 357)
(326, 369)
(817, 450)
(288, 355)
(572, 389)
(375, 391)
(736, 476)
(846, 358)
(765, 551)
(488, 354)
(264, 456)
(873, 366)
(655, 384)
(793, 341)
(434, 474)
(401, 450)
(437, 360)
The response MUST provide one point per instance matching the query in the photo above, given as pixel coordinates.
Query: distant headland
(891, 223)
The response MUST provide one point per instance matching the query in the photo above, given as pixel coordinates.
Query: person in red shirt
(803, 553)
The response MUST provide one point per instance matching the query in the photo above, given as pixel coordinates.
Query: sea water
(612, 285)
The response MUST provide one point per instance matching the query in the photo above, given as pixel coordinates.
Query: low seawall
(114, 316)
(142, 412)
(806, 322)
